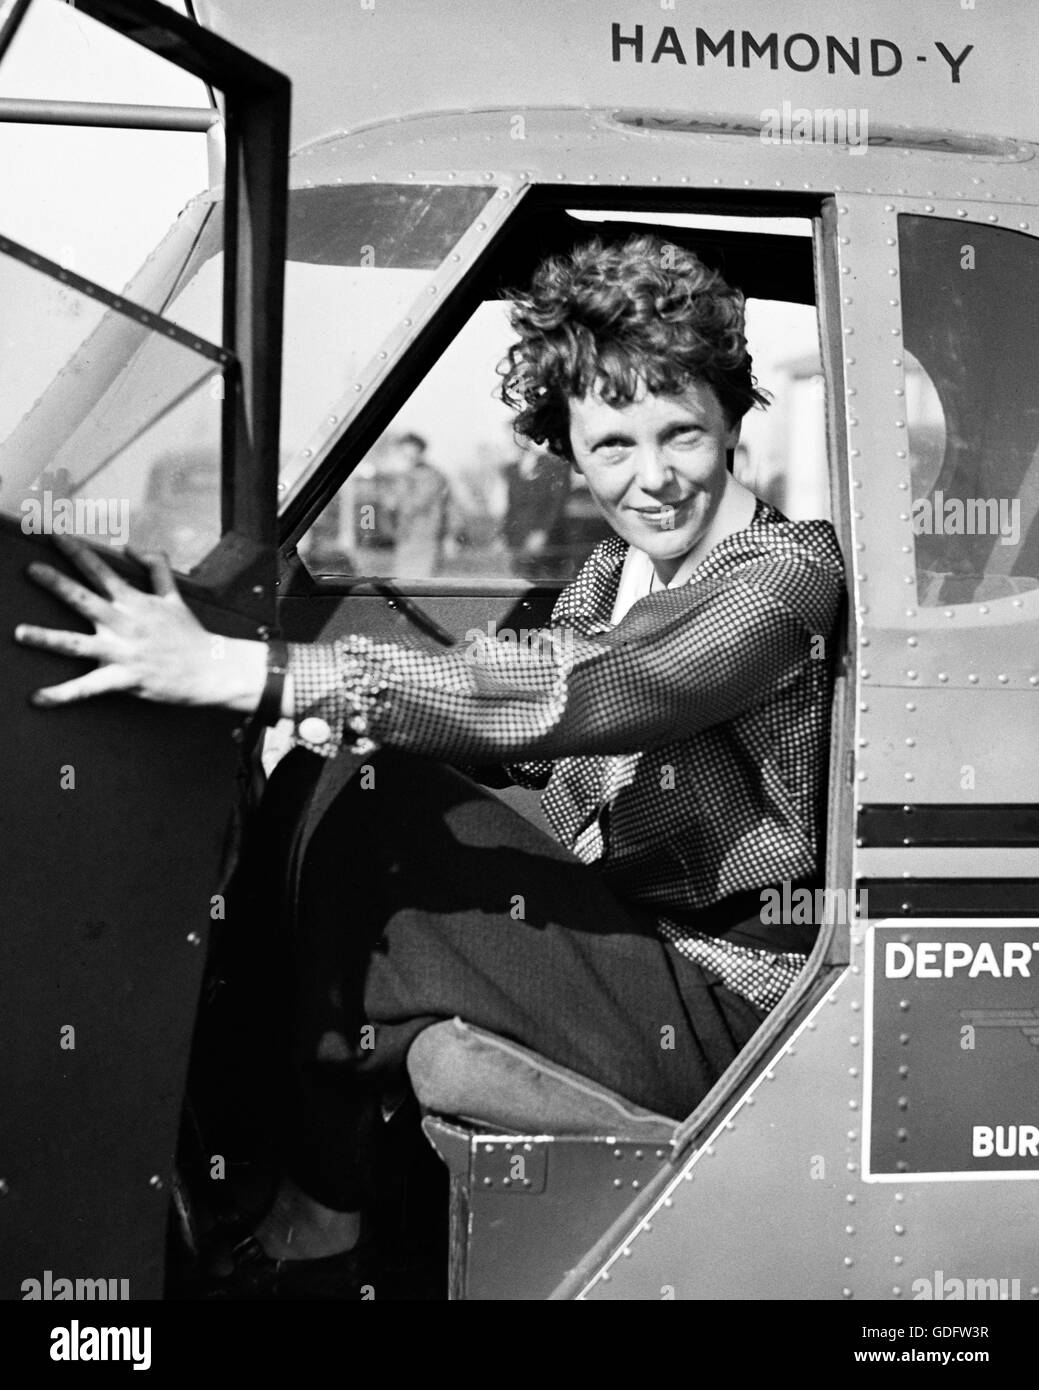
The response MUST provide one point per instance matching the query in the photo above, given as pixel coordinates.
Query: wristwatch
(268, 711)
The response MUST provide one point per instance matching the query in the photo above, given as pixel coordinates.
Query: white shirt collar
(638, 578)
(638, 575)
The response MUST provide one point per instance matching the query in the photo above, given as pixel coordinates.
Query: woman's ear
(732, 439)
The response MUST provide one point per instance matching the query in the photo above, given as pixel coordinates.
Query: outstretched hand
(148, 645)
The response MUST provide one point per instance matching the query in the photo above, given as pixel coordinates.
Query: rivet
(972, 678)
(155, 1181)
(900, 1230)
(1002, 679)
(909, 777)
(193, 938)
(910, 706)
(4, 1189)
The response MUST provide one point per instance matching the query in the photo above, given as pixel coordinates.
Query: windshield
(104, 402)
(358, 257)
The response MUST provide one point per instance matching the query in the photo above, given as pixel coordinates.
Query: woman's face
(656, 466)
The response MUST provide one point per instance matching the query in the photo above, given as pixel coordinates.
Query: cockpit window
(448, 496)
(110, 428)
(99, 408)
(970, 296)
(359, 256)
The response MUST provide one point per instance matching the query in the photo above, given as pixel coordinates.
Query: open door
(118, 818)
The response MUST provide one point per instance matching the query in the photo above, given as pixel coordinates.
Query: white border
(902, 924)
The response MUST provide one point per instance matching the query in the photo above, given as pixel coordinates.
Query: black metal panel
(951, 897)
(242, 569)
(948, 825)
(104, 885)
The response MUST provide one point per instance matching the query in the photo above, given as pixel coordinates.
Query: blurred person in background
(534, 527)
(425, 513)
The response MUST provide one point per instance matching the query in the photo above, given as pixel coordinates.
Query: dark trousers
(423, 896)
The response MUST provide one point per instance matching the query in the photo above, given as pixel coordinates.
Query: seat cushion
(457, 1069)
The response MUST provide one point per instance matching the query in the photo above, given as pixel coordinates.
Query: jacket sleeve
(680, 661)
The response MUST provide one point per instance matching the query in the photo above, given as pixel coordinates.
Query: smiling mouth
(667, 512)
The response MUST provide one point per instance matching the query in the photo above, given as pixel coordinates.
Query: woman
(677, 720)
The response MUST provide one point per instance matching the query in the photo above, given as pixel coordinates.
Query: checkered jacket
(682, 752)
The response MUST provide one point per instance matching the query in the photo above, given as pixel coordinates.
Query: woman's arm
(680, 661)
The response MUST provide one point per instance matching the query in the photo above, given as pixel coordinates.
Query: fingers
(90, 564)
(160, 571)
(100, 682)
(83, 601)
(50, 639)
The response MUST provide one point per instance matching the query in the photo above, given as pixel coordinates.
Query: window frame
(241, 569)
(419, 348)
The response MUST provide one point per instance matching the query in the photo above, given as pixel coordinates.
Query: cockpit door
(118, 819)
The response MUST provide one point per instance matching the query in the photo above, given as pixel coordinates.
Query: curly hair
(611, 319)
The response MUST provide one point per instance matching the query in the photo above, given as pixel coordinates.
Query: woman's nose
(653, 471)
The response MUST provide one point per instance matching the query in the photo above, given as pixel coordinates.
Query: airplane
(380, 176)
